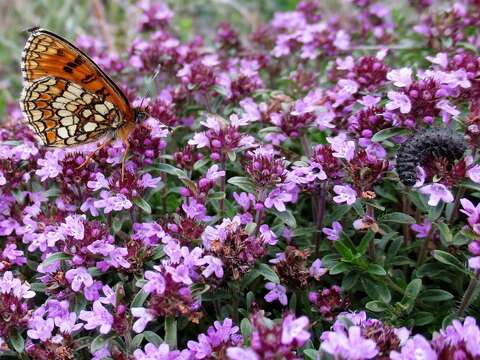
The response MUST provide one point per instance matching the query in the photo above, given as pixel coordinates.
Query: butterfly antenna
(149, 92)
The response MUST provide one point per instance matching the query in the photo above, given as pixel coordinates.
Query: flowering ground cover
(307, 190)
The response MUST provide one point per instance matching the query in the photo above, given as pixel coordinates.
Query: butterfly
(68, 100)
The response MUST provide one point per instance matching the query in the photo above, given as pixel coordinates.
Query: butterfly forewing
(47, 54)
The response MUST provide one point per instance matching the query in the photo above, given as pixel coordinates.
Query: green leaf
(199, 289)
(136, 341)
(53, 258)
(310, 354)
(339, 268)
(98, 343)
(286, 217)
(344, 250)
(363, 246)
(422, 318)
(250, 298)
(142, 204)
(388, 133)
(172, 170)
(448, 259)
(249, 277)
(350, 280)
(38, 287)
(139, 299)
(171, 332)
(445, 234)
(268, 273)
(411, 291)
(232, 156)
(435, 295)
(217, 195)
(158, 252)
(375, 269)
(200, 163)
(376, 290)
(398, 218)
(243, 183)
(153, 338)
(16, 340)
(376, 306)
(245, 328)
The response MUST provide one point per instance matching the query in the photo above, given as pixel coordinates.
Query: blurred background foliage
(117, 19)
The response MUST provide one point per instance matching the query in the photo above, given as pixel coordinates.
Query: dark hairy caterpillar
(425, 145)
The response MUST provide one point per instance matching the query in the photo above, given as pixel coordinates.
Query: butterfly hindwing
(63, 114)
(47, 54)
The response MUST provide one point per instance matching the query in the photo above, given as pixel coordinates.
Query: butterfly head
(140, 115)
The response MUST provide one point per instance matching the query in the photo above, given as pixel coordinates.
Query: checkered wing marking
(62, 113)
(47, 54)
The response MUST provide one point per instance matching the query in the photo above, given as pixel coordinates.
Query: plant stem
(235, 300)
(320, 216)
(454, 213)
(371, 244)
(407, 235)
(468, 296)
(424, 247)
(99, 13)
(222, 188)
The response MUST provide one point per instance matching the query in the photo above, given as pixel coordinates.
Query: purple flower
(460, 339)
(238, 353)
(50, 167)
(100, 182)
(144, 317)
(474, 173)
(398, 101)
(422, 229)
(77, 277)
(73, 226)
(195, 210)
(244, 200)
(67, 324)
(317, 270)
(415, 348)
(294, 330)
(437, 192)
(401, 77)
(155, 284)
(345, 194)
(40, 328)
(277, 198)
(348, 346)
(267, 235)
(162, 352)
(202, 348)
(335, 232)
(111, 203)
(214, 266)
(98, 317)
(277, 292)
(148, 181)
(342, 148)
(213, 173)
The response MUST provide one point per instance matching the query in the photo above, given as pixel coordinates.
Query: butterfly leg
(92, 154)
(124, 157)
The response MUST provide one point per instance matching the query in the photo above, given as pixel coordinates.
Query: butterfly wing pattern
(67, 99)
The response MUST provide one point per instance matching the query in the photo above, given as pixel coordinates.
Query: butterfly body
(67, 99)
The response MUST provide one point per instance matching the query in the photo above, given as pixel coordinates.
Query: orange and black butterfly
(67, 99)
